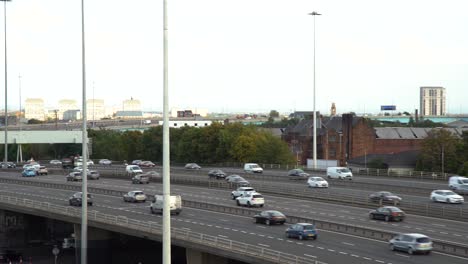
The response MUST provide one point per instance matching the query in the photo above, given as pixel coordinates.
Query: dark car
(387, 213)
(147, 164)
(7, 165)
(239, 181)
(302, 231)
(218, 174)
(75, 199)
(67, 163)
(192, 166)
(270, 217)
(297, 174)
(384, 197)
(231, 177)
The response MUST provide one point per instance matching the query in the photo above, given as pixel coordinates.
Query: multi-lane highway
(330, 247)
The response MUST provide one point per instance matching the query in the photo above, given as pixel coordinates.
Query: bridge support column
(197, 257)
(99, 245)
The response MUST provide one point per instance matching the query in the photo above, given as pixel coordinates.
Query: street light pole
(6, 82)
(314, 14)
(84, 150)
(166, 221)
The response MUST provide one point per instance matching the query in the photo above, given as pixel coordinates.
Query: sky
(239, 55)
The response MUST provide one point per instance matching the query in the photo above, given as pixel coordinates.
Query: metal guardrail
(262, 254)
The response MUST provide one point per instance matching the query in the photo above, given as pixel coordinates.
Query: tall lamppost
(314, 14)
(84, 149)
(166, 221)
(6, 90)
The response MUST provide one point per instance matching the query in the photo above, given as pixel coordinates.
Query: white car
(134, 196)
(133, 169)
(251, 199)
(105, 162)
(446, 196)
(55, 162)
(241, 191)
(317, 182)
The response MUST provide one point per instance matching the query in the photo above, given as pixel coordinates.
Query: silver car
(411, 243)
(134, 196)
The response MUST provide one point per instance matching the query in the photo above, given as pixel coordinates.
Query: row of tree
(445, 152)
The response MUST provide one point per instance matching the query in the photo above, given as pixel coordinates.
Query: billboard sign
(387, 107)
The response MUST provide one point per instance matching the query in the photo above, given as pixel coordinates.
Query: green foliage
(34, 121)
(273, 114)
(464, 169)
(439, 152)
(377, 164)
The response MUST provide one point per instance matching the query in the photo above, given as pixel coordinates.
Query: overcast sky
(240, 55)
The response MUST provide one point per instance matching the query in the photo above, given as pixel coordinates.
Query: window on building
(332, 138)
(332, 153)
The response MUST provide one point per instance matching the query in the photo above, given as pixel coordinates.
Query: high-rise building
(65, 105)
(34, 109)
(131, 105)
(432, 101)
(95, 109)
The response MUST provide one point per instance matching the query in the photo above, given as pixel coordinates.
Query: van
(175, 204)
(459, 184)
(252, 168)
(133, 170)
(339, 173)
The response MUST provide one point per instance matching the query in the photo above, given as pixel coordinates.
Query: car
(140, 179)
(175, 204)
(387, 213)
(79, 162)
(42, 170)
(29, 172)
(147, 164)
(34, 165)
(105, 162)
(239, 181)
(231, 177)
(136, 162)
(385, 197)
(192, 166)
(411, 243)
(218, 174)
(241, 191)
(135, 196)
(252, 168)
(74, 176)
(270, 217)
(7, 165)
(133, 170)
(297, 174)
(251, 199)
(55, 162)
(67, 163)
(302, 231)
(446, 196)
(317, 182)
(93, 175)
(339, 173)
(75, 199)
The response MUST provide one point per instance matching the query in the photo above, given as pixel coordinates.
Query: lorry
(175, 204)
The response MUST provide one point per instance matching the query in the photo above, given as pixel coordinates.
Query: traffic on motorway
(277, 208)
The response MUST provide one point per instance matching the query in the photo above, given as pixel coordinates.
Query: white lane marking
(366, 258)
(445, 233)
(356, 256)
(380, 261)
(344, 253)
(263, 245)
(400, 255)
(331, 250)
(320, 247)
(349, 244)
(310, 256)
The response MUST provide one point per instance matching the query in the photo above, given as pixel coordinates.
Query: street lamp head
(5, 0)
(314, 14)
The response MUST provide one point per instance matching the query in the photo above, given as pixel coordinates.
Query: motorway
(330, 247)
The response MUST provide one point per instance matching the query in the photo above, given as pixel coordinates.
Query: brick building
(351, 139)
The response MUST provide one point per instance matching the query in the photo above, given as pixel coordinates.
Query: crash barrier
(258, 254)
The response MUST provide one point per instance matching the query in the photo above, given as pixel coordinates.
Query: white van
(175, 204)
(459, 184)
(133, 170)
(339, 173)
(252, 167)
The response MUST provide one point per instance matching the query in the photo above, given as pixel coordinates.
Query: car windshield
(239, 179)
(386, 193)
(275, 213)
(254, 166)
(423, 240)
(464, 181)
(257, 196)
(395, 209)
(139, 193)
(344, 170)
(448, 193)
(317, 179)
(309, 227)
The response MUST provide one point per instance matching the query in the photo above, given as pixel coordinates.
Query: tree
(439, 152)
(377, 163)
(274, 114)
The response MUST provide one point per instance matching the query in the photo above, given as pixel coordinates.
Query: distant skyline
(239, 56)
